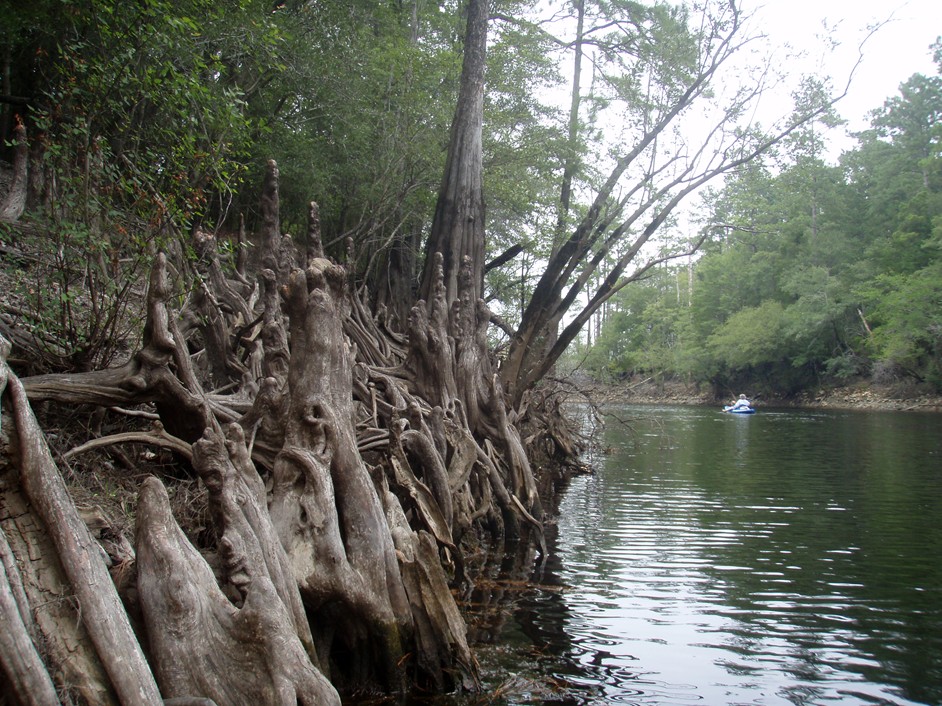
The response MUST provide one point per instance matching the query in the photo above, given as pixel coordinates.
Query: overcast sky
(898, 50)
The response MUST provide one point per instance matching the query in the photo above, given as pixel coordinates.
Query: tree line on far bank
(812, 272)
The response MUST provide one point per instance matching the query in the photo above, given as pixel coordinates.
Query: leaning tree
(675, 96)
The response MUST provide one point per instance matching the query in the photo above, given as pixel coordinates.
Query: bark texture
(201, 643)
(13, 202)
(458, 225)
(346, 471)
(71, 564)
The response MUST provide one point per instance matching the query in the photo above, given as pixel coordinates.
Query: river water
(789, 557)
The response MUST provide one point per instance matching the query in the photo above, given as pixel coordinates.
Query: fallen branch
(157, 437)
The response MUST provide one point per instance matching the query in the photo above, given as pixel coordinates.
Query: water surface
(789, 557)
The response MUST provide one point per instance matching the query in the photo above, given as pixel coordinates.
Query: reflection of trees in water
(509, 584)
(542, 612)
(582, 669)
(516, 620)
(803, 527)
(503, 576)
(820, 511)
(520, 611)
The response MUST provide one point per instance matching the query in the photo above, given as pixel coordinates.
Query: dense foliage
(152, 119)
(812, 272)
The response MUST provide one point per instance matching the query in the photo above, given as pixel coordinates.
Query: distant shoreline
(863, 396)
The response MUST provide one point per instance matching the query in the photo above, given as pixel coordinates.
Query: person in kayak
(741, 403)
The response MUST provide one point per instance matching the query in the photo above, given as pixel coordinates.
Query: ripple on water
(771, 560)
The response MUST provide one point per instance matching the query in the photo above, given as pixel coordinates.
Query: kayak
(740, 410)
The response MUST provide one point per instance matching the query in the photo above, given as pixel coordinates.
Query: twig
(136, 413)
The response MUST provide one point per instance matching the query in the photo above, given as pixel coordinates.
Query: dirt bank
(860, 395)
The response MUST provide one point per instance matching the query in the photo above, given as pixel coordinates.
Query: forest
(286, 287)
(814, 271)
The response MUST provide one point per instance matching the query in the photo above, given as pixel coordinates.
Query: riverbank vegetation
(273, 378)
(814, 272)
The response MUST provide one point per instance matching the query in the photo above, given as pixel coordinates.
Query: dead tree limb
(156, 437)
(147, 377)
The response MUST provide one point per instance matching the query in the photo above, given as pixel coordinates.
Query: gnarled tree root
(109, 640)
(202, 644)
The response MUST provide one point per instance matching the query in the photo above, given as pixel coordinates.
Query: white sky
(897, 51)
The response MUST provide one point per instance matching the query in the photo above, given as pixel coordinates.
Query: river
(789, 557)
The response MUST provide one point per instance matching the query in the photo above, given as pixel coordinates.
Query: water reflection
(786, 558)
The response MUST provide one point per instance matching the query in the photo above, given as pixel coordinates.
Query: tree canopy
(183, 103)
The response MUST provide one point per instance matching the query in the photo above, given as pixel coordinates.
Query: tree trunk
(571, 163)
(343, 565)
(458, 225)
(324, 503)
(13, 202)
(201, 644)
(51, 538)
(392, 281)
(449, 361)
